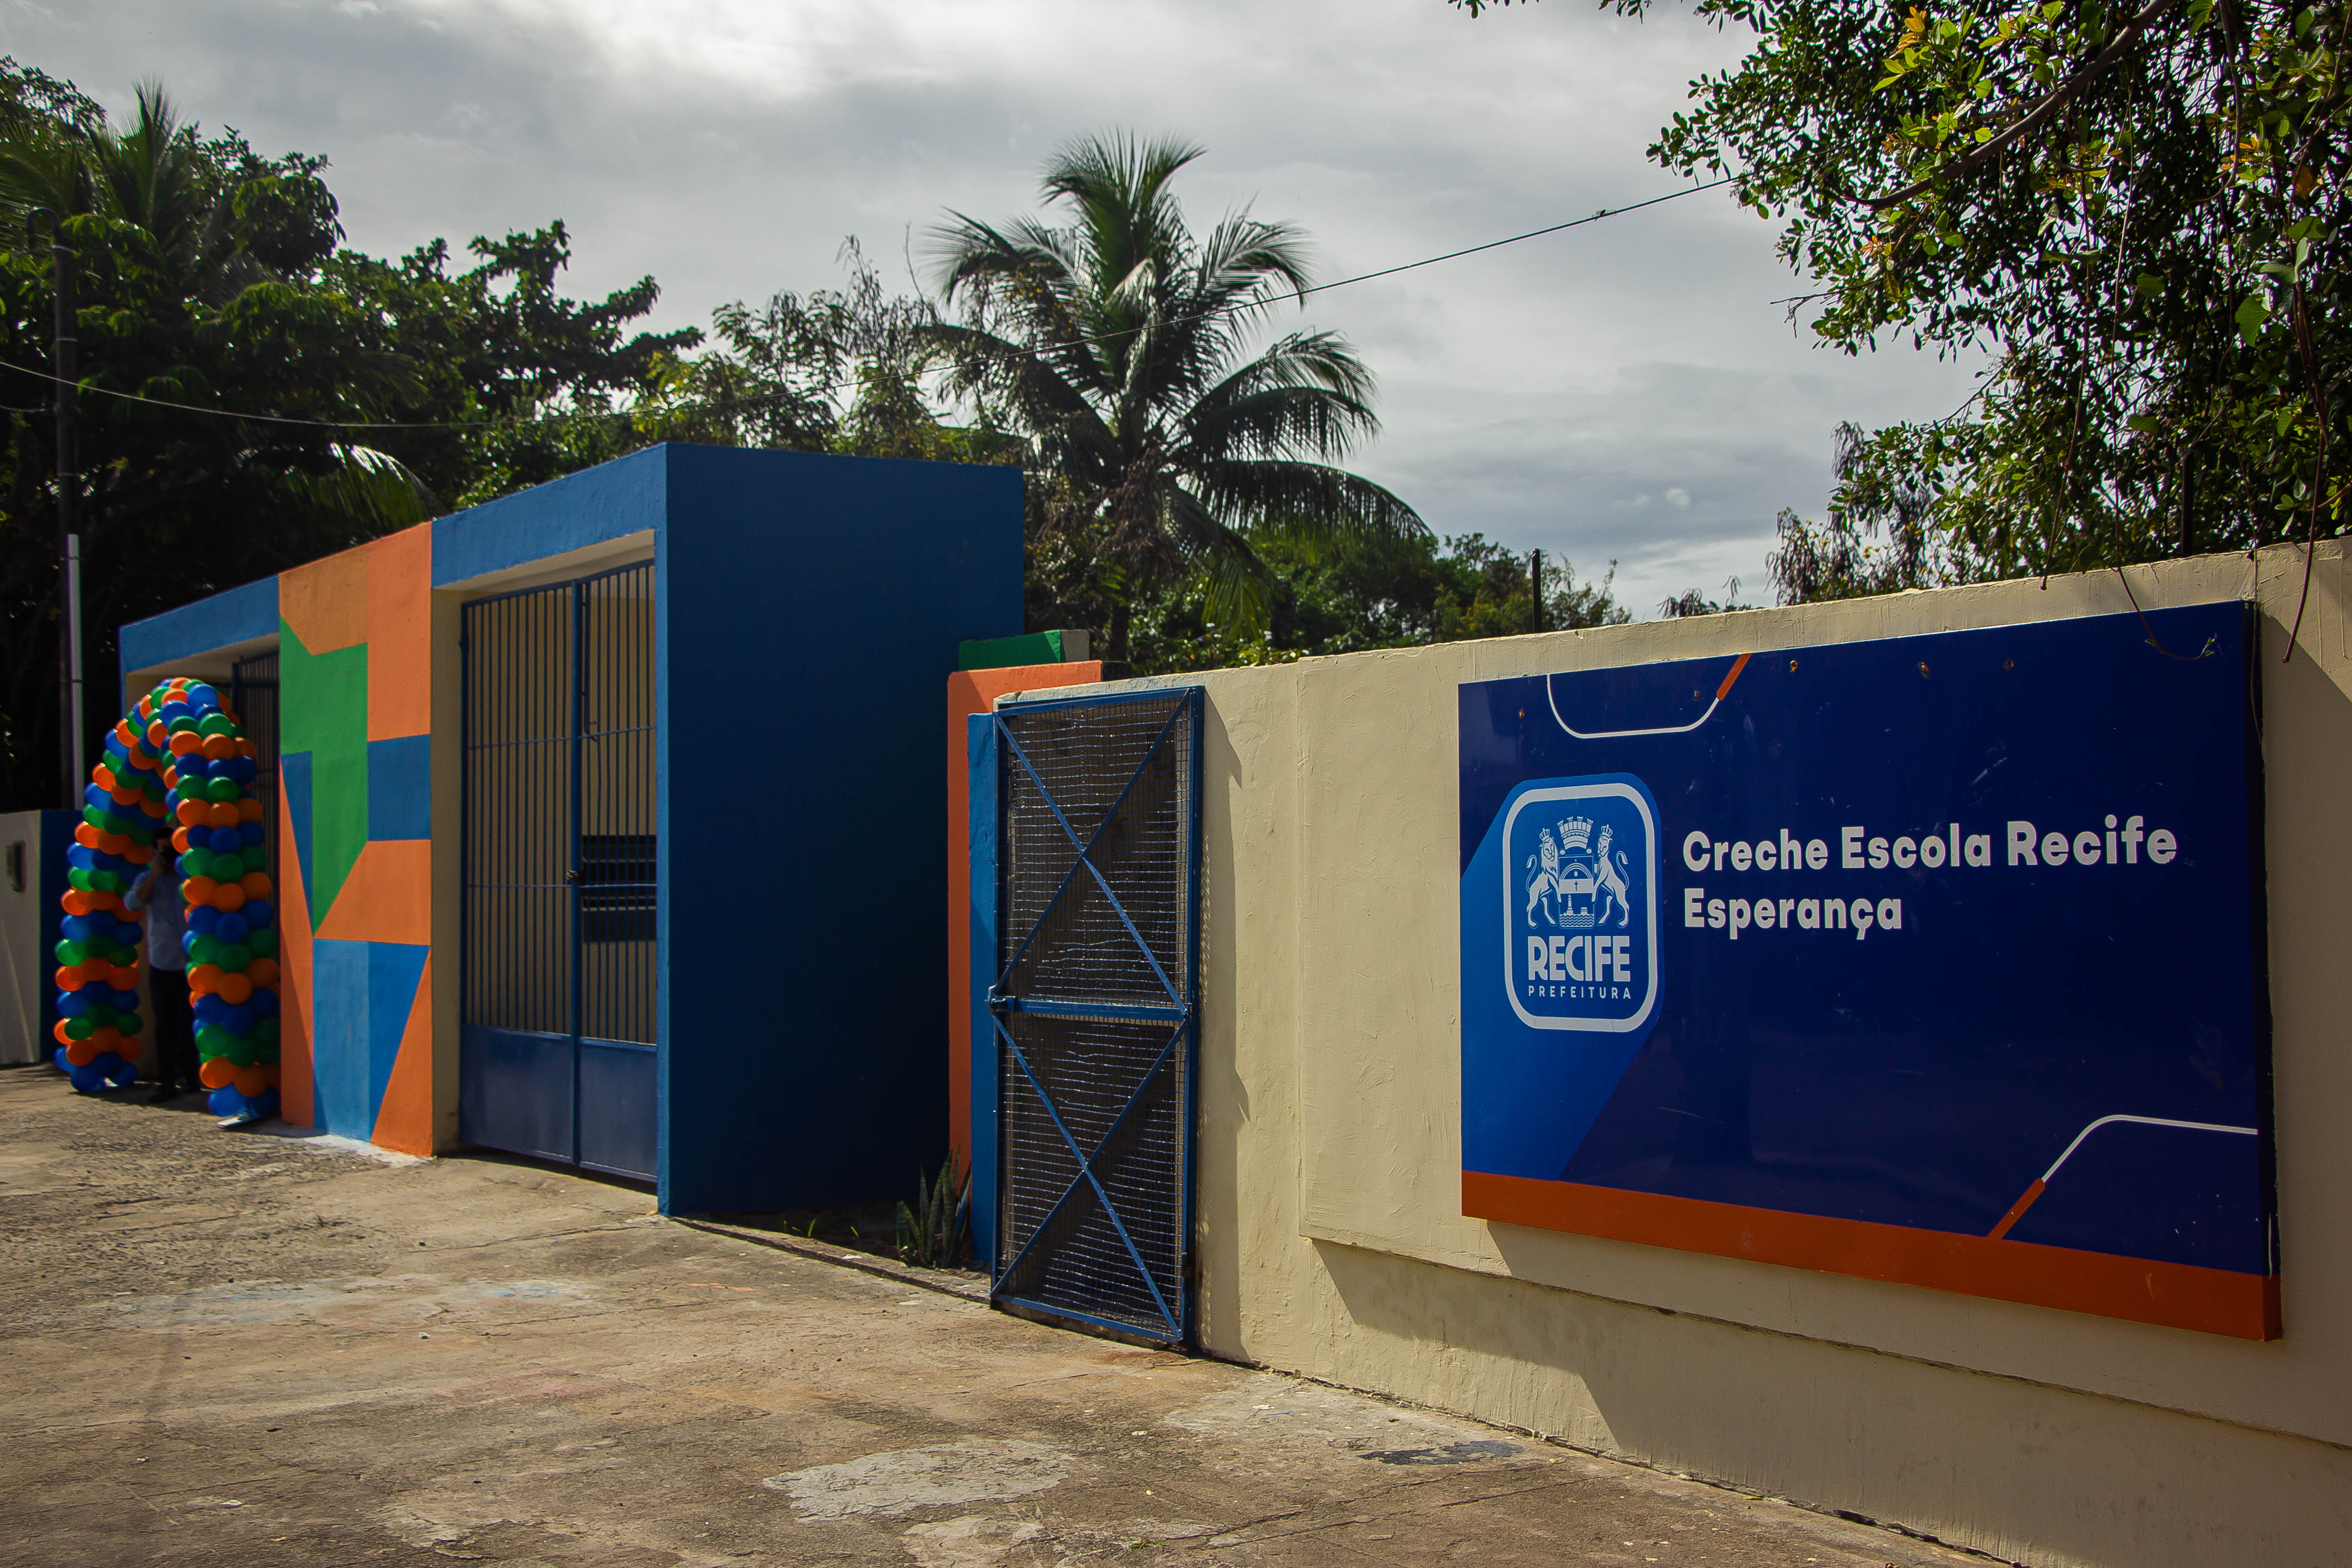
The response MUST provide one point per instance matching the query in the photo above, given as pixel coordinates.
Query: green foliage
(1355, 595)
(2138, 213)
(935, 1233)
(1118, 347)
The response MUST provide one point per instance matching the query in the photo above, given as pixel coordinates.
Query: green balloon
(105, 881)
(206, 949)
(223, 789)
(129, 1023)
(71, 953)
(196, 863)
(182, 723)
(265, 1031)
(227, 867)
(78, 879)
(215, 724)
(212, 1039)
(261, 943)
(234, 957)
(80, 1028)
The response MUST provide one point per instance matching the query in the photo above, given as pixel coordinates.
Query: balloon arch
(180, 763)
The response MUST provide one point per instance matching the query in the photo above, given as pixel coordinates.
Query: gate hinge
(998, 1002)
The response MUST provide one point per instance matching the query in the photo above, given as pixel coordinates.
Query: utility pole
(63, 367)
(1535, 590)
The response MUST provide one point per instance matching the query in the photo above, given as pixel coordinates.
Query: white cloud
(1534, 394)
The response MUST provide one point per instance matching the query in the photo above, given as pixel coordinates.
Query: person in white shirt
(157, 891)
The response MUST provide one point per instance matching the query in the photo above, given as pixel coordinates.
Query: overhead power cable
(87, 388)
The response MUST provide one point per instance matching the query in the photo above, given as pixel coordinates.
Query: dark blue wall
(810, 609)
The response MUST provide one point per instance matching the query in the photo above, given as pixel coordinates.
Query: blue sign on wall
(1938, 960)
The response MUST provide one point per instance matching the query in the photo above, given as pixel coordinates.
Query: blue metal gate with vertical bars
(557, 1051)
(1095, 1010)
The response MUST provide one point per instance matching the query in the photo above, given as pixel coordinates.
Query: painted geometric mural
(355, 761)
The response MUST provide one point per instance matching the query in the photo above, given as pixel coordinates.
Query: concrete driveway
(261, 1350)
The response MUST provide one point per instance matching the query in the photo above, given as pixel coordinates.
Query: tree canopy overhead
(1118, 344)
(2136, 209)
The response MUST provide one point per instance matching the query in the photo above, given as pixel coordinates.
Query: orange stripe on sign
(1723, 690)
(2017, 1210)
(399, 635)
(2177, 1295)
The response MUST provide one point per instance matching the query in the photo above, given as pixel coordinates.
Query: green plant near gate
(935, 1233)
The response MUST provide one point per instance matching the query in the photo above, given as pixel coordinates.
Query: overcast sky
(1625, 390)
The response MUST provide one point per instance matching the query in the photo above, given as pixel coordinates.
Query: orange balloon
(103, 776)
(247, 810)
(249, 1081)
(156, 735)
(218, 748)
(112, 843)
(225, 814)
(87, 836)
(198, 891)
(105, 1040)
(192, 813)
(206, 979)
(171, 778)
(123, 978)
(139, 854)
(245, 748)
(180, 839)
(228, 898)
(77, 903)
(81, 1053)
(262, 972)
(256, 884)
(235, 988)
(217, 1073)
(186, 741)
(152, 810)
(123, 732)
(69, 977)
(58, 1029)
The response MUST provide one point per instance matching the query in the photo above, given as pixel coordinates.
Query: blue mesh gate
(1094, 1009)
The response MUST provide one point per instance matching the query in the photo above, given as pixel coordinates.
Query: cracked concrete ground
(241, 1348)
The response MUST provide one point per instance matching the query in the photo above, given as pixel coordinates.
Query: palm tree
(1115, 343)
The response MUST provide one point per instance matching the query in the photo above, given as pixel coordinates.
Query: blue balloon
(230, 928)
(258, 914)
(238, 1020)
(195, 765)
(59, 1057)
(123, 1001)
(80, 856)
(201, 697)
(87, 1080)
(72, 1005)
(76, 927)
(225, 1101)
(203, 918)
(250, 832)
(265, 1103)
(209, 1007)
(264, 1001)
(188, 942)
(120, 1074)
(94, 797)
(226, 840)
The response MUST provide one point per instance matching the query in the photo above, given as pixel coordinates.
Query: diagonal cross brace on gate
(1086, 860)
(1170, 1300)
(1087, 1170)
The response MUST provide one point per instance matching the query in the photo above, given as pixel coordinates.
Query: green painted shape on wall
(323, 710)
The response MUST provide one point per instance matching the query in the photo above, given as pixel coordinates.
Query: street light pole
(1534, 589)
(63, 367)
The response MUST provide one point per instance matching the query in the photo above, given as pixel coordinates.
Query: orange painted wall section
(399, 635)
(325, 603)
(403, 1121)
(973, 691)
(388, 896)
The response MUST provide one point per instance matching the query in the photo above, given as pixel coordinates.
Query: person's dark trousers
(176, 1029)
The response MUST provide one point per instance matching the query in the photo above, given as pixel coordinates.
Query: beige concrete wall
(1331, 1236)
(25, 969)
